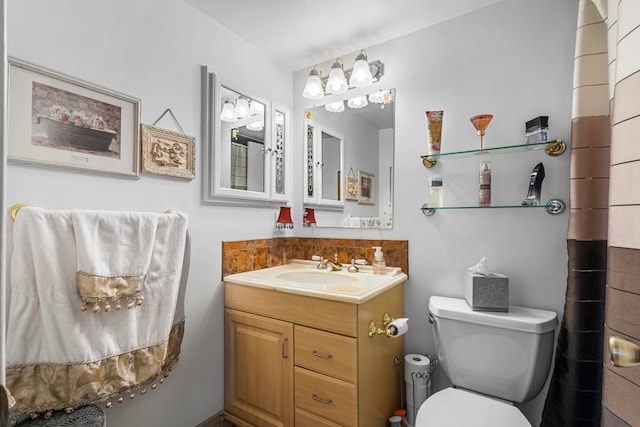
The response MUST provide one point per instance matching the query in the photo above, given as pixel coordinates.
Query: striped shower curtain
(603, 242)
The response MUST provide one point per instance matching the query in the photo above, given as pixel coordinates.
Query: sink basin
(317, 278)
(302, 277)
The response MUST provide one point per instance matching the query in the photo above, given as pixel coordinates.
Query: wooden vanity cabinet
(296, 360)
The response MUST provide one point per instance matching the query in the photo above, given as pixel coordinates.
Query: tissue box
(487, 293)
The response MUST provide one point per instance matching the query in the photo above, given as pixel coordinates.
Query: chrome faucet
(325, 264)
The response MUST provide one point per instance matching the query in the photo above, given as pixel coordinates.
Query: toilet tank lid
(517, 318)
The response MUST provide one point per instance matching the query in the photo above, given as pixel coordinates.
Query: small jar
(434, 199)
(536, 130)
(402, 413)
(536, 135)
(395, 421)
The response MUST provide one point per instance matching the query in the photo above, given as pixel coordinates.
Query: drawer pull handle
(321, 356)
(317, 399)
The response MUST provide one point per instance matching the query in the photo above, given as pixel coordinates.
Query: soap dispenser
(379, 265)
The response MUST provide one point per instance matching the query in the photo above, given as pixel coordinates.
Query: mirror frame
(212, 191)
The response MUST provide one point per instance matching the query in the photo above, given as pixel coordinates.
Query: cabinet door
(258, 369)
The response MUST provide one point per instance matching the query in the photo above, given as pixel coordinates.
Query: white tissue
(398, 327)
(480, 268)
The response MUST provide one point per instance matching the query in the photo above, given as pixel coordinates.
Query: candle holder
(480, 123)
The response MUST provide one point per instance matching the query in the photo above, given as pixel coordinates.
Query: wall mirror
(244, 146)
(348, 160)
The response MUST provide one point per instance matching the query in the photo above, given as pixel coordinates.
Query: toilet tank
(506, 355)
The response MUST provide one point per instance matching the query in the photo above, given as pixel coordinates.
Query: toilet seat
(454, 407)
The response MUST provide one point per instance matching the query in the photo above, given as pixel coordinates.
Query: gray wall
(500, 61)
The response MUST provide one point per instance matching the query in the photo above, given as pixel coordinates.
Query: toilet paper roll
(398, 327)
(415, 368)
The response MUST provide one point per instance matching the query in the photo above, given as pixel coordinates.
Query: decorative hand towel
(111, 268)
(61, 358)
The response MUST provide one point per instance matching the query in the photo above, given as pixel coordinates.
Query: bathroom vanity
(305, 347)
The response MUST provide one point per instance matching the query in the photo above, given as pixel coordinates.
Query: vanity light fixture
(335, 107)
(357, 102)
(284, 218)
(228, 113)
(363, 74)
(337, 82)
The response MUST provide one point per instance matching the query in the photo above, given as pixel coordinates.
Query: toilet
(493, 360)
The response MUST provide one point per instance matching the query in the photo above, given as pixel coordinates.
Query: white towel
(113, 251)
(60, 357)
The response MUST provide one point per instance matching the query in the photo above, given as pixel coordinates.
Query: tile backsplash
(247, 255)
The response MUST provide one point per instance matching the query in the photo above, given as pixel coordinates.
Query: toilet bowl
(492, 359)
(453, 407)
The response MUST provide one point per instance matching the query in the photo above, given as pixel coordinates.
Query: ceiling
(300, 33)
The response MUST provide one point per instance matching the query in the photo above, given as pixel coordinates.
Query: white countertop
(302, 277)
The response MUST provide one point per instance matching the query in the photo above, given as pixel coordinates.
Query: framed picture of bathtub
(58, 121)
(366, 188)
(165, 152)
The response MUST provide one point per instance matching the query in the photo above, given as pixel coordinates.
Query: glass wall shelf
(553, 207)
(551, 148)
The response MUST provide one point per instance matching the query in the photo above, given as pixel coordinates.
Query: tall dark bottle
(535, 186)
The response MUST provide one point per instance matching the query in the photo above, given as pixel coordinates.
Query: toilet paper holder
(392, 328)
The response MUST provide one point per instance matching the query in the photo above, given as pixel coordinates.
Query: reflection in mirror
(330, 166)
(366, 129)
(323, 165)
(242, 142)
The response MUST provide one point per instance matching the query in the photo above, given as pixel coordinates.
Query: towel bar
(13, 210)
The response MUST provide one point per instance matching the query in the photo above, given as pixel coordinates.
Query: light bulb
(228, 112)
(313, 88)
(381, 97)
(256, 126)
(335, 107)
(256, 108)
(357, 102)
(361, 74)
(242, 108)
(337, 82)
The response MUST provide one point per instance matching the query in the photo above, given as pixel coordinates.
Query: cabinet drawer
(307, 419)
(327, 353)
(326, 397)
